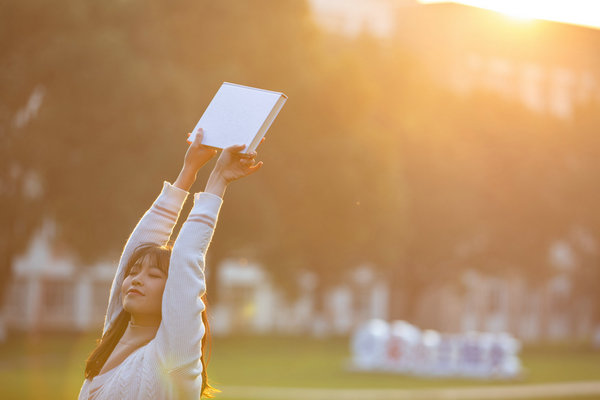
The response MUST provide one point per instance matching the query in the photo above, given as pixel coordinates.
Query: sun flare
(578, 12)
(521, 12)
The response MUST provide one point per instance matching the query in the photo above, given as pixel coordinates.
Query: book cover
(238, 114)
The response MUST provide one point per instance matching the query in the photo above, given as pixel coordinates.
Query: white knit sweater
(169, 366)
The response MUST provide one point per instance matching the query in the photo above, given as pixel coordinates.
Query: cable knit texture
(169, 366)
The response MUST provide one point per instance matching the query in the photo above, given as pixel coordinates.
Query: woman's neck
(145, 320)
(138, 334)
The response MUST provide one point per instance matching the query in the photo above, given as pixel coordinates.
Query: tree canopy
(370, 160)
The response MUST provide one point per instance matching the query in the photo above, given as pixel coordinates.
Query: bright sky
(579, 12)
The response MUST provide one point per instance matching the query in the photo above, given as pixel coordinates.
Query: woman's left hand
(197, 154)
(230, 166)
(233, 165)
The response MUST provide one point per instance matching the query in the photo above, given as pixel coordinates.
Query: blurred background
(436, 162)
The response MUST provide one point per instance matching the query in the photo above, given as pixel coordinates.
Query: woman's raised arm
(181, 330)
(156, 225)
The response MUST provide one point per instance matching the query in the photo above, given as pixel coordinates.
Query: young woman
(152, 345)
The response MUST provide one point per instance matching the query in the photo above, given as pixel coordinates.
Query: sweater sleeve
(155, 226)
(178, 339)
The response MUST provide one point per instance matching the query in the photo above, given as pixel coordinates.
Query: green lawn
(52, 367)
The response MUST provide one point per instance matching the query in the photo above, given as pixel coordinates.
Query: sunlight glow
(578, 12)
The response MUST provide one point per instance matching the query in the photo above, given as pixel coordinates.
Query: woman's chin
(130, 307)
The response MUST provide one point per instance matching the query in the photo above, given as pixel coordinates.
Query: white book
(238, 115)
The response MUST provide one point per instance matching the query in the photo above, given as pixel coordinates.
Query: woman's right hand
(197, 154)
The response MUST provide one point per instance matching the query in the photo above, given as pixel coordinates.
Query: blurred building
(351, 17)
(550, 67)
(51, 292)
(250, 302)
(550, 311)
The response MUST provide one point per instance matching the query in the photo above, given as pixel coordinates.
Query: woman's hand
(196, 156)
(231, 165)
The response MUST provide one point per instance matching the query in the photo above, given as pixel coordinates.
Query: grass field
(51, 367)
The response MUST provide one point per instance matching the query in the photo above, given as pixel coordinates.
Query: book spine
(266, 125)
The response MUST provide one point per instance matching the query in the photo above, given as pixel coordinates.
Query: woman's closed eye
(155, 272)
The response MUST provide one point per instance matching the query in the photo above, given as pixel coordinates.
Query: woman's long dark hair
(161, 255)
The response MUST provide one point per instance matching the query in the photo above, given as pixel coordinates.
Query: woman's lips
(133, 291)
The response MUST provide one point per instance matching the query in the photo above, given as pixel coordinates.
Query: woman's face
(143, 288)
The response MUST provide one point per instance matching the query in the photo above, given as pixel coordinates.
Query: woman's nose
(136, 280)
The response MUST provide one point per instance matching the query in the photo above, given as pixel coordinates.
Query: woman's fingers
(198, 138)
(248, 160)
(255, 168)
(235, 148)
(248, 155)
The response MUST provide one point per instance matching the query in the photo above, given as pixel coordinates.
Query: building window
(100, 294)
(17, 299)
(561, 92)
(56, 303)
(240, 299)
(532, 87)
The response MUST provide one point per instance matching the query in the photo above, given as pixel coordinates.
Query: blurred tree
(481, 192)
(126, 80)
(582, 152)
(369, 161)
(20, 185)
